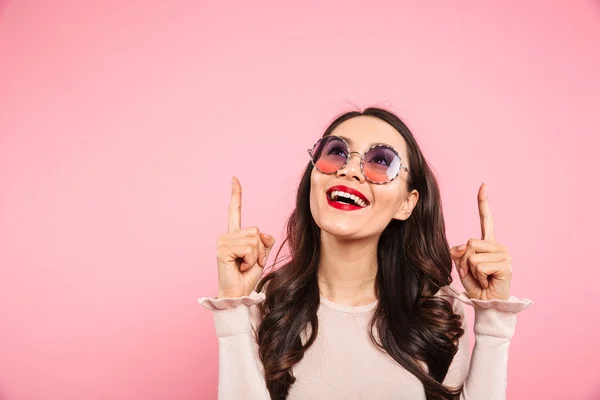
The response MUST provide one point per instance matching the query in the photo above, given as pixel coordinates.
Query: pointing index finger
(235, 206)
(485, 215)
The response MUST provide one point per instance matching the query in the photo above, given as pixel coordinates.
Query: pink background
(121, 124)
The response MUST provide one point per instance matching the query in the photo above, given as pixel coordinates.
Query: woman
(362, 309)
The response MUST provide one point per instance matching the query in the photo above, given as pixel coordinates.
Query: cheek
(314, 190)
(313, 184)
(389, 200)
(318, 182)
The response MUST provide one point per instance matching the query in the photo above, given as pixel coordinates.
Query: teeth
(357, 200)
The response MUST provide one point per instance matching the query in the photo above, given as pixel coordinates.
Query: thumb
(268, 241)
(457, 252)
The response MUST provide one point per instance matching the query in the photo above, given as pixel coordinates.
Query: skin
(241, 253)
(484, 265)
(348, 263)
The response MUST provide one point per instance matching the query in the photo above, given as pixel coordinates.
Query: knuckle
(222, 250)
(220, 253)
(471, 242)
(254, 230)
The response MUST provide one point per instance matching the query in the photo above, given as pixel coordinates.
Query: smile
(346, 198)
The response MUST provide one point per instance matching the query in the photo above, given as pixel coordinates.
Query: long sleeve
(484, 377)
(240, 370)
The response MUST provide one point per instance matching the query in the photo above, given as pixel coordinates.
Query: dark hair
(414, 325)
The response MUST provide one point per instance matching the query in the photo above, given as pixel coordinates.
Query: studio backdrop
(121, 124)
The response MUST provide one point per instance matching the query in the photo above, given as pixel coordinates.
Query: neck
(347, 270)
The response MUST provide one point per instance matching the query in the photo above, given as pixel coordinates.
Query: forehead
(364, 131)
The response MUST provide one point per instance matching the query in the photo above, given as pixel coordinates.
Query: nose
(352, 169)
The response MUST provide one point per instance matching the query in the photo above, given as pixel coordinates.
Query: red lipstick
(346, 206)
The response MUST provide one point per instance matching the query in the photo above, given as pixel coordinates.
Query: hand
(484, 266)
(241, 253)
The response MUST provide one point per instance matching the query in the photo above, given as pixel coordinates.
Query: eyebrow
(346, 139)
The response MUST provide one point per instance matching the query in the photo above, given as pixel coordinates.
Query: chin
(340, 226)
(340, 230)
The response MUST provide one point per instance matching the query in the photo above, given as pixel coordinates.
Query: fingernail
(461, 247)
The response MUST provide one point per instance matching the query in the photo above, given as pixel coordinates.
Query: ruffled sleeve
(512, 305)
(495, 317)
(233, 316)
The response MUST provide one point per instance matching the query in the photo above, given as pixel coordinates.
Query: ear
(407, 206)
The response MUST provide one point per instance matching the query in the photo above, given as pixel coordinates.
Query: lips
(345, 198)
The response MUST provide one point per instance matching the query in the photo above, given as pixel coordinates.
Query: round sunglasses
(379, 164)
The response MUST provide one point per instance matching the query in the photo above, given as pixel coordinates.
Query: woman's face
(384, 202)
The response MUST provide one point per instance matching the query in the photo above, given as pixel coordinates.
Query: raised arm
(241, 256)
(485, 270)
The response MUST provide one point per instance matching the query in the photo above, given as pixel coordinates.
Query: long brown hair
(414, 326)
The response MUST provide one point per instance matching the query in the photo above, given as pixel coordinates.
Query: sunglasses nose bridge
(350, 169)
(358, 155)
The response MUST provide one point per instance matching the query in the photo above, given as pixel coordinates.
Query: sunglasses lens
(382, 164)
(329, 154)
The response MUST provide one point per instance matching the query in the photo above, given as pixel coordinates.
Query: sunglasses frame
(362, 159)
